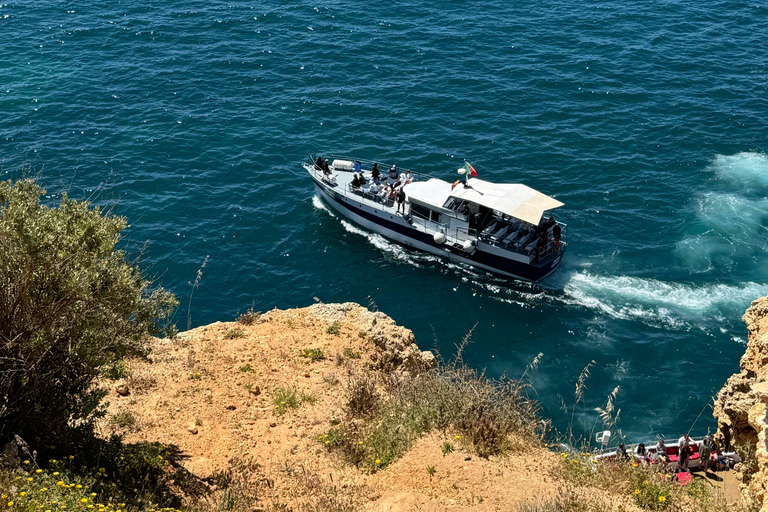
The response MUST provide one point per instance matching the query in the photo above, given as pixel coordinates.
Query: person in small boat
(375, 171)
(326, 168)
(622, 454)
(400, 198)
(373, 188)
(661, 454)
(355, 181)
(393, 193)
(408, 177)
(319, 164)
(642, 454)
(363, 181)
(393, 173)
(684, 452)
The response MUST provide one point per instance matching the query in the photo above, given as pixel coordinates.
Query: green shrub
(334, 328)
(285, 398)
(248, 367)
(315, 354)
(486, 413)
(71, 305)
(351, 354)
(233, 334)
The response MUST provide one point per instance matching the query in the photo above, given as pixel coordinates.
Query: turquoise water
(647, 119)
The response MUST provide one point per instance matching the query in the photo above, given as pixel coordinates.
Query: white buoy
(469, 246)
(439, 238)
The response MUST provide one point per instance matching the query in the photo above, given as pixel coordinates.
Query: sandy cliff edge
(740, 407)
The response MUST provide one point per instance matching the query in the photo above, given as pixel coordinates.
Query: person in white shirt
(684, 452)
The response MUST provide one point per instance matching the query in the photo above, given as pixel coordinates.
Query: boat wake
(659, 303)
(730, 230)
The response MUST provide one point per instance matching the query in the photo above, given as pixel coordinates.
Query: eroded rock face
(398, 346)
(741, 410)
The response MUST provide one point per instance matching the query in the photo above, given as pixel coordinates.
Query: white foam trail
(743, 168)
(320, 205)
(656, 302)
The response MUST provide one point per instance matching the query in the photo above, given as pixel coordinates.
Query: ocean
(647, 119)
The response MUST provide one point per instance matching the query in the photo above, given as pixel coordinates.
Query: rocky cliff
(740, 408)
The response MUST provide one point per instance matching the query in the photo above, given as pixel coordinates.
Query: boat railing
(360, 193)
(367, 165)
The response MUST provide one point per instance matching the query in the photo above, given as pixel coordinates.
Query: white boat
(500, 228)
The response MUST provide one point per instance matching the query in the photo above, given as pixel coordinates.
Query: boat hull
(395, 227)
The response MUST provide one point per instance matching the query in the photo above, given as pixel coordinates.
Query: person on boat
(319, 163)
(661, 453)
(393, 173)
(393, 193)
(373, 189)
(408, 177)
(383, 193)
(363, 181)
(355, 181)
(375, 171)
(400, 198)
(642, 454)
(621, 453)
(326, 168)
(683, 452)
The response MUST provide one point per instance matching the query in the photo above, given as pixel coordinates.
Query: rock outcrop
(397, 344)
(741, 407)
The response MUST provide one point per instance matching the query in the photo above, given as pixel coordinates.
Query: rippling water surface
(647, 119)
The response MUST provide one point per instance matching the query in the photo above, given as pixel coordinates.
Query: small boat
(500, 228)
(612, 455)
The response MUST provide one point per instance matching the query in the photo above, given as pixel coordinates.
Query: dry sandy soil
(210, 392)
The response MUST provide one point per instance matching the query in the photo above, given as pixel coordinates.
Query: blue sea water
(647, 119)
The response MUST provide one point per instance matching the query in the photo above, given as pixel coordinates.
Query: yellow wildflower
(25, 462)
(637, 491)
(38, 471)
(662, 499)
(10, 503)
(60, 483)
(56, 473)
(378, 461)
(93, 494)
(22, 493)
(78, 486)
(456, 437)
(359, 442)
(43, 489)
(29, 479)
(83, 500)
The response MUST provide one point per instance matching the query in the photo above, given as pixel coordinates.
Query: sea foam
(659, 303)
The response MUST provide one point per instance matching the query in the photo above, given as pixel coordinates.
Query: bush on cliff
(70, 306)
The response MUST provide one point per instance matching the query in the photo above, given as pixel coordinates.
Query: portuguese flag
(470, 170)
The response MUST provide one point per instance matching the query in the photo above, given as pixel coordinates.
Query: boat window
(424, 212)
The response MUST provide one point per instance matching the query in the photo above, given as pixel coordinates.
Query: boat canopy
(432, 192)
(518, 201)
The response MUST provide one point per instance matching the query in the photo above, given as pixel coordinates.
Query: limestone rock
(741, 405)
(121, 389)
(399, 351)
